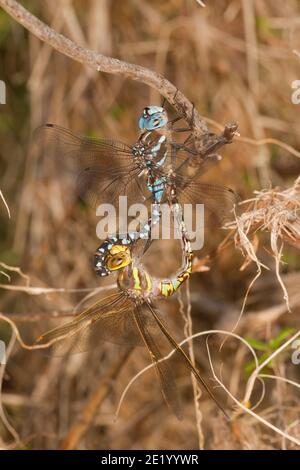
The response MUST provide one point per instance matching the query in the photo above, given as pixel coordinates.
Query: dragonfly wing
(107, 320)
(218, 201)
(164, 372)
(182, 356)
(94, 186)
(104, 168)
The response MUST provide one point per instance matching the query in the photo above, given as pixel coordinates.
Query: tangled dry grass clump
(275, 212)
(234, 60)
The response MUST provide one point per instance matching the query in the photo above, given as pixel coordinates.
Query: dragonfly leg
(175, 119)
(178, 146)
(193, 116)
(182, 129)
(187, 139)
(173, 156)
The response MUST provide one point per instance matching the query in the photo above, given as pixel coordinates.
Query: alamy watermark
(295, 98)
(2, 92)
(296, 353)
(123, 220)
(2, 352)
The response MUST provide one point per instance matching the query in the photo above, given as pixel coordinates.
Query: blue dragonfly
(145, 171)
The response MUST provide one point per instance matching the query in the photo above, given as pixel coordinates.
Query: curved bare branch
(106, 64)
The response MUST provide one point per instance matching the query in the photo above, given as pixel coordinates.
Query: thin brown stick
(34, 317)
(106, 64)
(86, 416)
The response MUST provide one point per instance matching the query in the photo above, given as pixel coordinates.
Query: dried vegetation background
(235, 60)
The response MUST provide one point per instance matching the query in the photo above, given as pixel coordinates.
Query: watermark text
(138, 218)
(2, 352)
(296, 353)
(2, 92)
(295, 98)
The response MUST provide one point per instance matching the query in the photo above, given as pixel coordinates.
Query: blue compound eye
(142, 123)
(152, 123)
(153, 117)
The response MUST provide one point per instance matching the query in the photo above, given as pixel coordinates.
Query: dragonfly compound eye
(153, 117)
(118, 257)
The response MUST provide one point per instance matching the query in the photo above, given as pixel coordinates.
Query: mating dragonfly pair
(155, 169)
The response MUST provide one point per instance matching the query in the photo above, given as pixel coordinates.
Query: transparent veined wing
(182, 356)
(163, 369)
(120, 320)
(104, 169)
(109, 319)
(218, 200)
(188, 169)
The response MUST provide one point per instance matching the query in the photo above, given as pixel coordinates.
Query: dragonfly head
(153, 117)
(111, 257)
(118, 257)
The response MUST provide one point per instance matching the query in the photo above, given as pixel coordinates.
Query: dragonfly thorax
(136, 282)
(151, 149)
